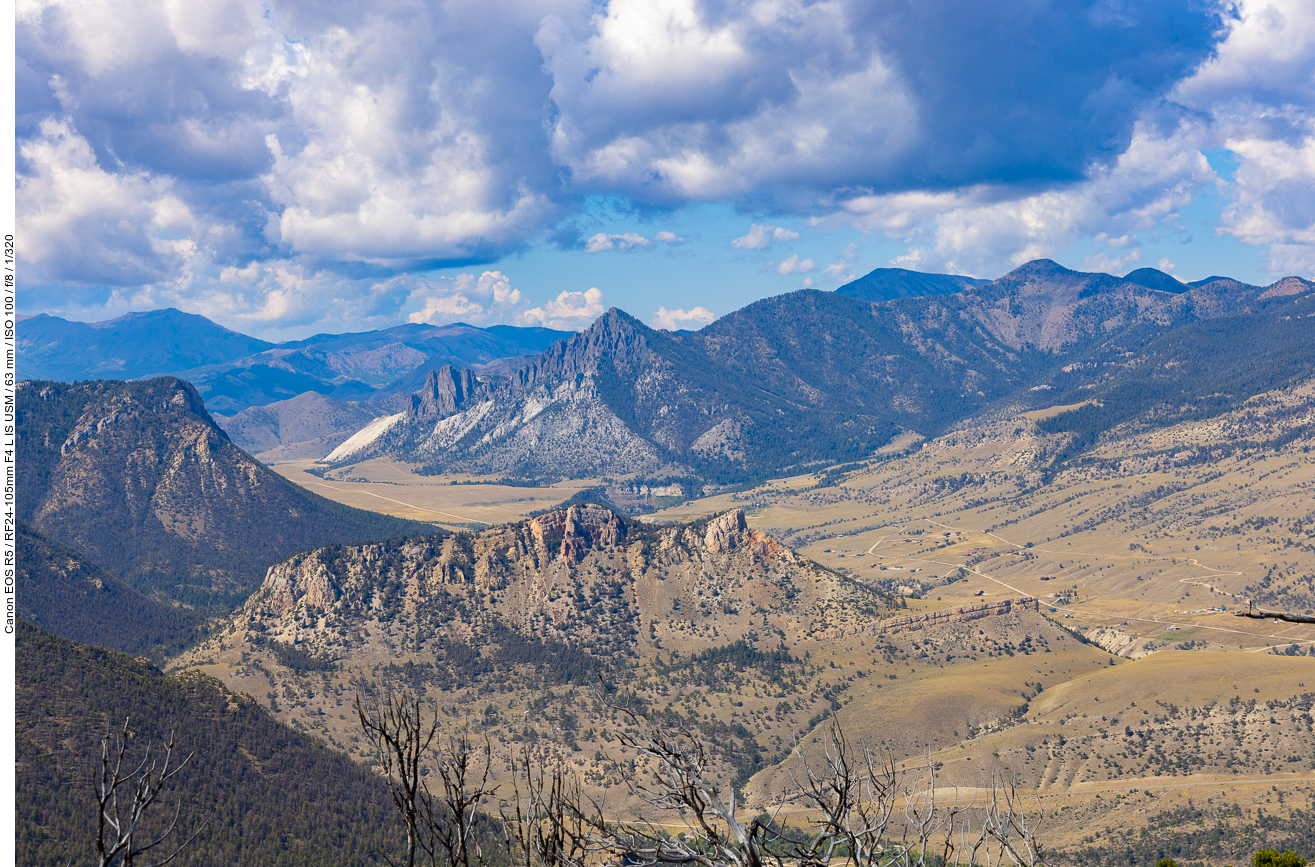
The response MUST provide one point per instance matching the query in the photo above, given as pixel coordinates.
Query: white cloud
(793, 265)
(1259, 91)
(675, 320)
(1267, 55)
(842, 270)
(624, 243)
(450, 299)
(987, 230)
(568, 311)
(85, 225)
(229, 155)
(761, 237)
(666, 99)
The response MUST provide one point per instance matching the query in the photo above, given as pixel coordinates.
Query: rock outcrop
(447, 391)
(914, 622)
(580, 575)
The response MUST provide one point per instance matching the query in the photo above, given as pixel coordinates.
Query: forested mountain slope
(70, 596)
(137, 477)
(264, 793)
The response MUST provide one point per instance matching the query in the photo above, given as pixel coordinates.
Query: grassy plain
(454, 502)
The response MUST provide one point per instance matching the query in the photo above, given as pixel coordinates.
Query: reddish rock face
(573, 533)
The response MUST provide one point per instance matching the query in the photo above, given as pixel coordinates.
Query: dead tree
(548, 822)
(123, 797)
(552, 824)
(451, 815)
(862, 809)
(864, 816)
(400, 738)
(853, 795)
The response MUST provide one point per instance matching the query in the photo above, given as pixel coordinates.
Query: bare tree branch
(123, 797)
(400, 737)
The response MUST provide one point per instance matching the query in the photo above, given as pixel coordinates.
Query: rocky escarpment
(446, 392)
(961, 614)
(580, 576)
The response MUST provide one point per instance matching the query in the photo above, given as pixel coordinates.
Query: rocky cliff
(581, 576)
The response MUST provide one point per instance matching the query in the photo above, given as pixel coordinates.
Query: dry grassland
(454, 502)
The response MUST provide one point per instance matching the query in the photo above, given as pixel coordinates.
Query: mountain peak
(1153, 278)
(887, 284)
(1040, 267)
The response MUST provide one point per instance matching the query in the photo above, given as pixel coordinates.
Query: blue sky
(292, 167)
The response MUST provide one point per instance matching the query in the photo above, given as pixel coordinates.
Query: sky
(289, 167)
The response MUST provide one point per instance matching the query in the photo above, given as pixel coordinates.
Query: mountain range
(786, 383)
(232, 371)
(814, 378)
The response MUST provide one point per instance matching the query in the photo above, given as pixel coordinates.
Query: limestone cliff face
(580, 576)
(446, 392)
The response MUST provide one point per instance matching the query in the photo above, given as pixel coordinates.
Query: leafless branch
(400, 737)
(123, 797)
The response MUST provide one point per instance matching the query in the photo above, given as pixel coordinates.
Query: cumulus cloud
(299, 161)
(84, 225)
(1259, 92)
(675, 320)
(761, 237)
(623, 243)
(569, 311)
(987, 230)
(793, 101)
(484, 300)
(794, 265)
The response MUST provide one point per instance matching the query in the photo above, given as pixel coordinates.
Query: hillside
(812, 378)
(309, 425)
(136, 477)
(266, 794)
(69, 596)
(1145, 543)
(527, 617)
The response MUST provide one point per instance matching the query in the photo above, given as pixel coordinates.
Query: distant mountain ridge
(233, 372)
(799, 379)
(132, 346)
(309, 425)
(887, 284)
